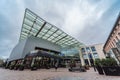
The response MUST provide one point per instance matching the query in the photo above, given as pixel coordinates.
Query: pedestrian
(56, 66)
(94, 67)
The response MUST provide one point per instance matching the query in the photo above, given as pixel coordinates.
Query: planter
(11, 67)
(112, 70)
(21, 68)
(33, 68)
(16, 68)
(86, 67)
(47, 67)
(6, 66)
(100, 70)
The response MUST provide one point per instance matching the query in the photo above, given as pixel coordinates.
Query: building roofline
(93, 44)
(96, 44)
(77, 43)
(114, 26)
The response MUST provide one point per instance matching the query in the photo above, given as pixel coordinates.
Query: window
(117, 38)
(119, 33)
(114, 41)
(93, 48)
(95, 55)
(84, 56)
(83, 50)
(90, 55)
(113, 44)
(87, 49)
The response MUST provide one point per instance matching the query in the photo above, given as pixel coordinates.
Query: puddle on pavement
(67, 78)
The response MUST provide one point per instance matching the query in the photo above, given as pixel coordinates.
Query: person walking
(94, 67)
(56, 66)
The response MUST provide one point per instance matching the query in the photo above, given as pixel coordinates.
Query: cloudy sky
(89, 21)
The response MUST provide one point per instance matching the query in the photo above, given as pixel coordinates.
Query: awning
(38, 27)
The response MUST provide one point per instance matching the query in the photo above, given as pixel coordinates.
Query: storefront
(42, 59)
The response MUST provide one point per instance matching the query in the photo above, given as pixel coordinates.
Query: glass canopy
(35, 26)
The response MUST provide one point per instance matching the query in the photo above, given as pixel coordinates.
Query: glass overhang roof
(35, 26)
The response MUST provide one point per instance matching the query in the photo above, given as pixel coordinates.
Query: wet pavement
(51, 74)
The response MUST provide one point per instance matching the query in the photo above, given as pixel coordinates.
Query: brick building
(111, 47)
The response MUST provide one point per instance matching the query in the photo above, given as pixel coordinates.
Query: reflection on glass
(95, 55)
(93, 48)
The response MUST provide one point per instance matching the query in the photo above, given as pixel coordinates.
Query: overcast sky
(89, 21)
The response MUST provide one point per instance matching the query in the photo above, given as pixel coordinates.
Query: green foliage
(12, 65)
(21, 65)
(106, 62)
(97, 62)
(16, 65)
(109, 62)
(35, 65)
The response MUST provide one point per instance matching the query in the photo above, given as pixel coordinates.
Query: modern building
(111, 47)
(92, 52)
(42, 42)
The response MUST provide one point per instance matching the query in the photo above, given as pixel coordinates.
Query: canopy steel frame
(38, 27)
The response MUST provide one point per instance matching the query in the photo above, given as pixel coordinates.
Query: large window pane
(83, 50)
(55, 35)
(84, 56)
(93, 48)
(47, 26)
(30, 13)
(37, 26)
(59, 32)
(95, 55)
(53, 29)
(39, 21)
(87, 49)
(25, 30)
(28, 22)
(30, 17)
(26, 26)
(50, 32)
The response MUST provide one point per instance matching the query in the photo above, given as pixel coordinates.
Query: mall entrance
(43, 58)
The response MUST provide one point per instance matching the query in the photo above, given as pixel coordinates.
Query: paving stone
(48, 74)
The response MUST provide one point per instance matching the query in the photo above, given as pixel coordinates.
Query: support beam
(61, 38)
(32, 25)
(52, 34)
(46, 32)
(40, 29)
(81, 57)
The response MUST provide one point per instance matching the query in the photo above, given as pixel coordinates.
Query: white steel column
(88, 59)
(81, 57)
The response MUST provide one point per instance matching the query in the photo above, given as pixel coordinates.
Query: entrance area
(42, 58)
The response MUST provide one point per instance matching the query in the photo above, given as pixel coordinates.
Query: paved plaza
(44, 74)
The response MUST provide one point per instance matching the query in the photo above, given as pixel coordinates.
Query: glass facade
(70, 51)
